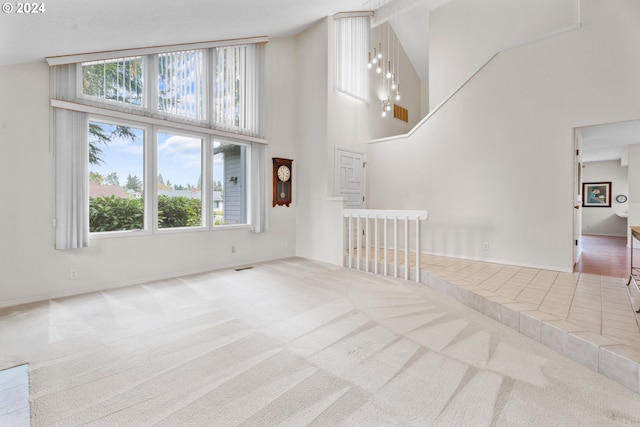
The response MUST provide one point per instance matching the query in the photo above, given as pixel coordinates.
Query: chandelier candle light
(391, 54)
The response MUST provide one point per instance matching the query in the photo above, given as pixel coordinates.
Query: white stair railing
(358, 223)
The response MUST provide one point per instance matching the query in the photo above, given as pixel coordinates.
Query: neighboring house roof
(181, 193)
(217, 195)
(99, 190)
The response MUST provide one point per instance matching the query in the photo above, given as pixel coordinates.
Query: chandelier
(384, 55)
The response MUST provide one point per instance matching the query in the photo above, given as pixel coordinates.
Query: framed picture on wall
(596, 194)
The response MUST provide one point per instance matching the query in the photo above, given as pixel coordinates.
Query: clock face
(284, 173)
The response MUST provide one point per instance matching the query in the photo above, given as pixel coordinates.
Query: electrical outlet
(73, 274)
(233, 249)
(485, 246)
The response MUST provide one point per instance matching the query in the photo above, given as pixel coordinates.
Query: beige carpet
(294, 343)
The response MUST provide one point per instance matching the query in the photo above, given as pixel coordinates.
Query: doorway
(605, 158)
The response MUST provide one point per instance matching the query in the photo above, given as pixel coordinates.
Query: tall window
(352, 45)
(118, 187)
(166, 160)
(179, 180)
(116, 172)
(230, 177)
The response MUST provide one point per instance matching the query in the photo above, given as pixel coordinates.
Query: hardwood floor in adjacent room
(605, 256)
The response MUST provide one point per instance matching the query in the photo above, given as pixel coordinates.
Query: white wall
(310, 164)
(466, 33)
(327, 119)
(424, 98)
(603, 220)
(33, 270)
(495, 163)
(347, 117)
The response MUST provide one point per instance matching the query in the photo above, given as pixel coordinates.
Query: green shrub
(115, 214)
(179, 211)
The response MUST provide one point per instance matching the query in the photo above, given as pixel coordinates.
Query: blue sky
(178, 158)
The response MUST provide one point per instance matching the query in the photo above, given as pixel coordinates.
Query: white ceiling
(410, 21)
(608, 141)
(81, 26)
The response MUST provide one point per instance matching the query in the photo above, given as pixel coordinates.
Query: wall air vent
(400, 113)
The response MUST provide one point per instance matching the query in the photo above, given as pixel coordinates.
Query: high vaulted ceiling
(80, 26)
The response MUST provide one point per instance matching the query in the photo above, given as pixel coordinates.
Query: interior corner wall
(32, 269)
(311, 165)
(326, 119)
(347, 117)
(424, 98)
(464, 34)
(495, 163)
(603, 221)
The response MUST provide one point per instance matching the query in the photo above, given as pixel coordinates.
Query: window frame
(115, 105)
(153, 75)
(150, 180)
(146, 146)
(66, 94)
(204, 143)
(355, 65)
(246, 171)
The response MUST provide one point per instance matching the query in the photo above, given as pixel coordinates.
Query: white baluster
(418, 249)
(359, 240)
(406, 247)
(386, 248)
(395, 246)
(376, 249)
(350, 231)
(366, 235)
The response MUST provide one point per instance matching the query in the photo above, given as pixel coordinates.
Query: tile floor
(587, 317)
(14, 396)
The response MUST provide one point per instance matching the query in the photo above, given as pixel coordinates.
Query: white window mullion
(151, 180)
(242, 71)
(151, 83)
(230, 61)
(210, 93)
(204, 88)
(179, 75)
(119, 84)
(207, 182)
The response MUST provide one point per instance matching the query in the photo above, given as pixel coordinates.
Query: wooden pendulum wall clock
(282, 175)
